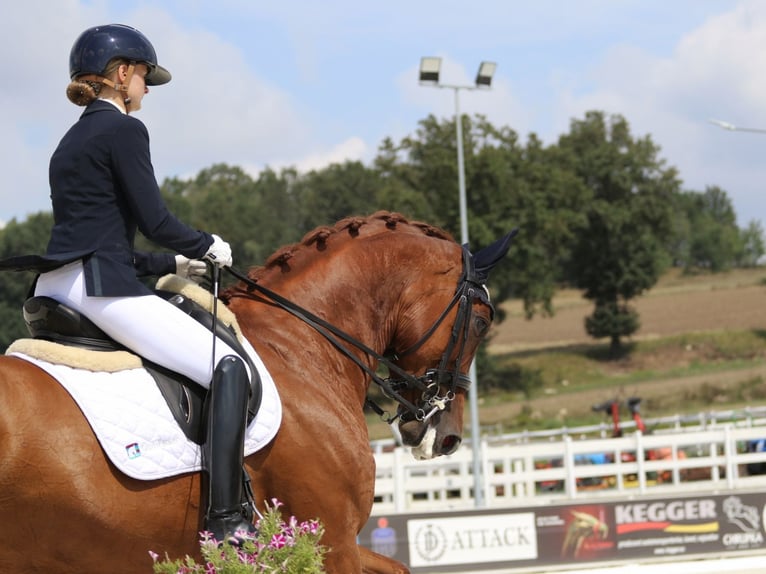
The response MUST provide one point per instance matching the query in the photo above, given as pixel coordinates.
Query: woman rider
(102, 188)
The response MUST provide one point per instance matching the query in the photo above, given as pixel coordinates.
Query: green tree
(399, 180)
(621, 251)
(534, 188)
(679, 243)
(713, 241)
(225, 200)
(279, 220)
(507, 185)
(19, 238)
(420, 173)
(337, 191)
(753, 247)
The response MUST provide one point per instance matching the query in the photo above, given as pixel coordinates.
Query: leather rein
(468, 290)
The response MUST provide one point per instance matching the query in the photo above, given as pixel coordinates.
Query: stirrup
(231, 527)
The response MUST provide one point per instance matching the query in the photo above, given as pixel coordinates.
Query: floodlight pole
(473, 402)
(463, 202)
(461, 173)
(478, 490)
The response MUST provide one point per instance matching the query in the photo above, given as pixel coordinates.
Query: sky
(305, 84)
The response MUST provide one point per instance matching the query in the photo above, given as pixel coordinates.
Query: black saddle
(49, 320)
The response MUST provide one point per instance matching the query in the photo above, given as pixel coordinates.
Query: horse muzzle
(430, 439)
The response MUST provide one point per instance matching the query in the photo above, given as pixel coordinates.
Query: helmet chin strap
(121, 88)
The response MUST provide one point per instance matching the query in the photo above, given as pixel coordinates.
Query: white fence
(529, 472)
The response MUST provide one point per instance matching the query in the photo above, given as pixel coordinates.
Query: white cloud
(216, 109)
(714, 71)
(353, 149)
(233, 100)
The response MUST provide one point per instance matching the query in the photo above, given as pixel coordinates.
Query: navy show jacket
(103, 188)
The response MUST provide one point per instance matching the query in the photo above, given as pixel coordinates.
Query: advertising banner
(641, 529)
(472, 539)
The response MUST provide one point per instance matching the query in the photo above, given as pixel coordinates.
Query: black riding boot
(227, 509)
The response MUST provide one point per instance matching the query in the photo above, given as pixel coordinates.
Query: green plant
(289, 547)
(509, 377)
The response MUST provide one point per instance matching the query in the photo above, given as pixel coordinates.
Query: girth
(51, 320)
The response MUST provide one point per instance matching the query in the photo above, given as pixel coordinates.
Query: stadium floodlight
(430, 68)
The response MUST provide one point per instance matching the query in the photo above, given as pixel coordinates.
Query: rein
(430, 382)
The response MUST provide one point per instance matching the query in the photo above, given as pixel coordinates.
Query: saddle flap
(185, 399)
(51, 320)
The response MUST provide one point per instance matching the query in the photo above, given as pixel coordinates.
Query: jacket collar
(100, 106)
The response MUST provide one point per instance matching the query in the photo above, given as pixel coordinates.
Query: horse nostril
(450, 444)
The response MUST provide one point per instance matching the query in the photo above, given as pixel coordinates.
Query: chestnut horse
(399, 293)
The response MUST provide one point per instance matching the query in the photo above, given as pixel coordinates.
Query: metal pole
(478, 494)
(461, 171)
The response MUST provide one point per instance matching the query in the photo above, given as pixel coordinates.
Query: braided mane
(319, 236)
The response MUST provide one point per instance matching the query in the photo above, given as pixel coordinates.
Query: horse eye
(481, 326)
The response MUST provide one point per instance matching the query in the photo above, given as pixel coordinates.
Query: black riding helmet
(97, 46)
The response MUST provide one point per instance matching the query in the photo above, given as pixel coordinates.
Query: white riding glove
(219, 253)
(194, 269)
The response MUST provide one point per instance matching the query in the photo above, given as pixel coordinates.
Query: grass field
(678, 304)
(701, 346)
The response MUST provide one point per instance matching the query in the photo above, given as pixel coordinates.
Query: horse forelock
(348, 228)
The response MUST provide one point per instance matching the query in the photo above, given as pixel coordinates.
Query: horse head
(431, 404)
(419, 299)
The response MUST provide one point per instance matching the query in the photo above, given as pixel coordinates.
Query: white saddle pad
(135, 426)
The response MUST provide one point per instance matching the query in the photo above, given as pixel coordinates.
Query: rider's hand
(194, 269)
(219, 253)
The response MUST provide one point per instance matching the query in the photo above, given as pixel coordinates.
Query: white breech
(147, 324)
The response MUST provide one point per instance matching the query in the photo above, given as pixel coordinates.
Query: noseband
(469, 289)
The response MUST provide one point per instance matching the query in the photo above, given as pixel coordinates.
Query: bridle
(469, 289)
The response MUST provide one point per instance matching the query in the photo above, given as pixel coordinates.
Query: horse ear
(485, 259)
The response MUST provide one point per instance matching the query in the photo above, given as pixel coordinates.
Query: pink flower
(278, 541)
(154, 556)
(310, 527)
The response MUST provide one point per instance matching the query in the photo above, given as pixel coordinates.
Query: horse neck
(362, 285)
(348, 286)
